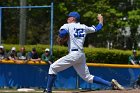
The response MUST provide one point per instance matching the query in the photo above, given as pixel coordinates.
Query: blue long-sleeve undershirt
(63, 33)
(99, 27)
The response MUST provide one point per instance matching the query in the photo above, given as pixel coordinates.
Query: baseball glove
(62, 41)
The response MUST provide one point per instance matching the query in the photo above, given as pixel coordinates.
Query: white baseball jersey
(77, 33)
(76, 57)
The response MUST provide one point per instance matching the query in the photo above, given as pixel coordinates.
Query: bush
(93, 55)
(102, 55)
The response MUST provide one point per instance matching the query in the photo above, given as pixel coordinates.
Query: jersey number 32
(79, 33)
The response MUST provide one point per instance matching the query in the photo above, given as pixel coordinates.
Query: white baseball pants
(77, 60)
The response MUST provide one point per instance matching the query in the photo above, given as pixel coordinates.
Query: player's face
(135, 54)
(70, 19)
(47, 53)
(22, 49)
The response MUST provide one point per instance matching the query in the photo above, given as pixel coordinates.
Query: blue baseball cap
(75, 15)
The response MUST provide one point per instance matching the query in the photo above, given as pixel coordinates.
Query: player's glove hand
(62, 41)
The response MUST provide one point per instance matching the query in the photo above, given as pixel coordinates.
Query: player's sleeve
(63, 31)
(93, 28)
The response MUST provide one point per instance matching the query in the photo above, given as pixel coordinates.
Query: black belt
(74, 49)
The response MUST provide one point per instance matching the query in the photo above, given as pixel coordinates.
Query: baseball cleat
(116, 85)
(45, 91)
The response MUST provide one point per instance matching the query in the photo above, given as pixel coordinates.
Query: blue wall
(25, 75)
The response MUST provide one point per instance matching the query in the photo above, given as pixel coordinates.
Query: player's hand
(61, 41)
(100, 18)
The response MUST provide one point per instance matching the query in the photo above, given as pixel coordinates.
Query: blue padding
(122, 75)
(66, 79)
(63, 33)
(15, 75)
(99, 27)
(25, 75)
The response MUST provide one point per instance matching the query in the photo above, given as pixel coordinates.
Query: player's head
(13, 49)
(33, 50)
(22, 49)
(134, 52)
(73, 16)
(47, 51)
(1, 48)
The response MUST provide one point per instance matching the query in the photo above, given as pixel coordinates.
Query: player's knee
(52, 70)
(52, 67)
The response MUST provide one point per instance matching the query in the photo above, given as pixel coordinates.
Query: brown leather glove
(63, 40)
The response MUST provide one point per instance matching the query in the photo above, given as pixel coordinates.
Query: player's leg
(60, 65)
(83, 71)
(56, 67)
(50, 82)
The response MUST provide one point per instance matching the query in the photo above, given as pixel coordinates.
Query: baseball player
(76, 34)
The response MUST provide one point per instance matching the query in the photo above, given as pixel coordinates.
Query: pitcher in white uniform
(76, 57)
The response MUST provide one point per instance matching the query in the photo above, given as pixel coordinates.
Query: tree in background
(118, 14)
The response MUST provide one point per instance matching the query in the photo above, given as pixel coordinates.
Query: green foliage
(93, 55)
(134, 17)
(102, 55)
(38, 20)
